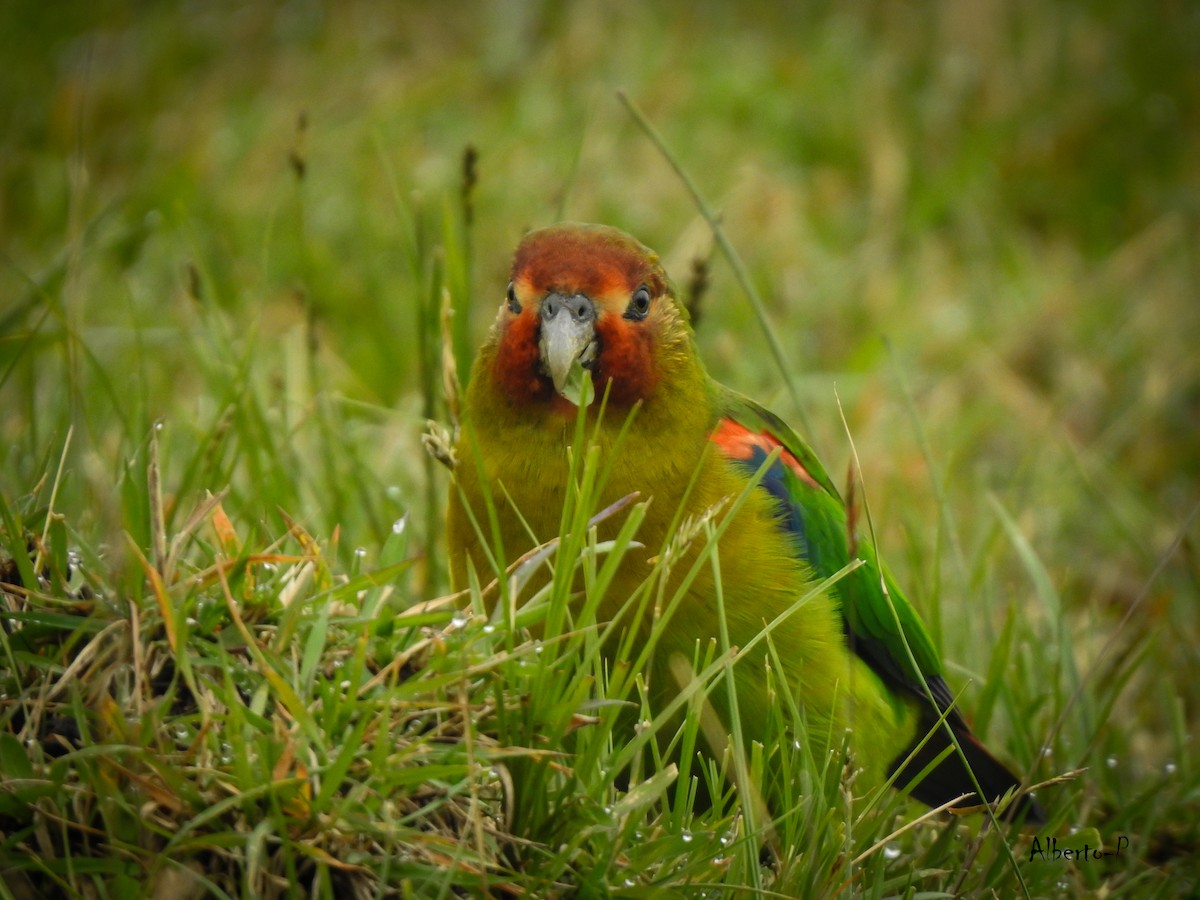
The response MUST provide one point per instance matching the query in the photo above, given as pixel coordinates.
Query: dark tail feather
(949, 778)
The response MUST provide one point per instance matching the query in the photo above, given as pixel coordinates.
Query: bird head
(590, 298)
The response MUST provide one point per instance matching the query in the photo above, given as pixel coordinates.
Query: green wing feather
(878, 618)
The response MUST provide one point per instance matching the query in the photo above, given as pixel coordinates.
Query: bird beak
(568, 335)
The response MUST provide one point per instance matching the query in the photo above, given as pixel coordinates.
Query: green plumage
(691, 446)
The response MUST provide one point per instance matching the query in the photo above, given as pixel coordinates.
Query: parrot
(592, 299)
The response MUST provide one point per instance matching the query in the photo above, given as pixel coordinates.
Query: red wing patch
(739, 442)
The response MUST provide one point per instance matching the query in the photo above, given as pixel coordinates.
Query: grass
(227, 662)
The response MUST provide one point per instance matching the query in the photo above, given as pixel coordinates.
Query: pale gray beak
(568, 335)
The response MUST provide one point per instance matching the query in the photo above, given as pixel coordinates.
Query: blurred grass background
(977, 222)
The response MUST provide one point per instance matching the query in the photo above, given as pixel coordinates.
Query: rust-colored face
(583, 295)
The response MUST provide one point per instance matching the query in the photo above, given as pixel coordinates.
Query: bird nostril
(578, 307)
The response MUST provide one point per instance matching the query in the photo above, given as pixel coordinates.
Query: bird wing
(877, 618)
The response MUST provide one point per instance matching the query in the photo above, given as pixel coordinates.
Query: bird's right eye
(514, 305)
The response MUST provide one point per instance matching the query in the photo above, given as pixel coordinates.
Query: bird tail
(949, 778)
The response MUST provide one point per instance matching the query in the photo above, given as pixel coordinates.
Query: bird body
(592, 300)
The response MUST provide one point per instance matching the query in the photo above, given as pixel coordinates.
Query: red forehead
(588, 260)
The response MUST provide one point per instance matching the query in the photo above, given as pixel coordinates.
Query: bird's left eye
(514, 305)
(639, 304)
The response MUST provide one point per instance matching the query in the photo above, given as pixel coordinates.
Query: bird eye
(639, 304)
(514, 305)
